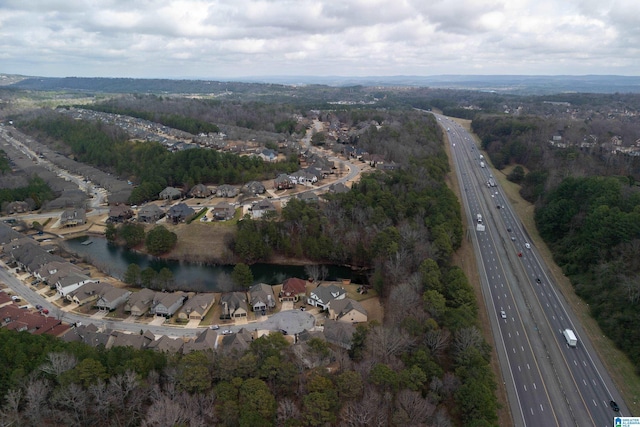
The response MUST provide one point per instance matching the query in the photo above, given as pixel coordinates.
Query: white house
(324, 294)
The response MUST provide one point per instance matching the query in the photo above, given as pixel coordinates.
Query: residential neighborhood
(224, 321)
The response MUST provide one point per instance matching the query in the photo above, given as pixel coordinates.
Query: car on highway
(527, 245)
(509, 229)
(538, 280)
(520, 254)
(513, 238)
(503, 314)
(614, 406)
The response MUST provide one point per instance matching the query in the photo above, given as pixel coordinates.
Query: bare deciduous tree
(437, 340)
(57, 363)
(36, 393)
(383, 343)
(412, 408)
(287, 410)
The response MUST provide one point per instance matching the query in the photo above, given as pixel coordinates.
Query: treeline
(176, 121)
(35, 193)
(149, 163)
(428, 365)
(257, 116)
(593, 227)
(157, 241)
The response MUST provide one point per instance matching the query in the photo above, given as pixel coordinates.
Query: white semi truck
(572, 341)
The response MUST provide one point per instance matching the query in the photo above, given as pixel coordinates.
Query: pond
(114, 261)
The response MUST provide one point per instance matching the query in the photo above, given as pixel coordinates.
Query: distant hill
(511, 84)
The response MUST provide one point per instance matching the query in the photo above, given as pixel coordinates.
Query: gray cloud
(219, 38)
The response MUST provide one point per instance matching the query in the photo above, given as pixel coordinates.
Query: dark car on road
(614, 406)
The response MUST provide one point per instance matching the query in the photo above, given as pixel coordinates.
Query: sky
(216, 39)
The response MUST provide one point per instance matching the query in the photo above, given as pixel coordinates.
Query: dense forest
(592, 225)
(149, 164)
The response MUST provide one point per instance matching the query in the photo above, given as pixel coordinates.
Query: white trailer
(570, 337)
(479, 217)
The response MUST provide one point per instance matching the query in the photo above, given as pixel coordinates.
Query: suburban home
(112, 298)
(234, 305)
(347, 310)
(119, 213)
(150, 213)
(226, 190)
(324, 294)
(167, 303)
(67, 284)
(338, 188)
(179, 213)
(207, 340)
(308, 197)
(197, 306)
(170, 193)
(261, 297)
(139, 302)
(293, 289)
(303, 177)
(17, 207)
(72, 217)
(137, 341)
(5, 299)
(254, 187)
(200, 191)
(88, 334)
(223, 211)
(264, 206)
(237, 343)
(50, 270)
(88, 292)
(268, 155)
(283, 182)
(339, 333)
(164, 344)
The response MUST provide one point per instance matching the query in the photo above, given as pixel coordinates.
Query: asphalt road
(548, 383)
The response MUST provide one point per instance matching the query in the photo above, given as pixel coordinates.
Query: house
(293, 289)
(268, 155)
(261, 208)
(164, 344)
(324, 294)
(166, 304)
(237, 343)
(261, 297)
(179, 213)
(150, 213)
(70, 283)
(234, 305)
(88, 292)
(139, 302)
(207, 340)
(5, 299)
(308, 197)
(254, 187)
(223, 211)
(303, 177)
(200, 191)
(347, 310)
(137, 341)
(339, 333)
(338, 188)
(119, 213)
(112, 298)
(17, 207)
(88, 334)
(73, 217)
(283, 182)
(226, 190)
(170, 193)
(197, 307)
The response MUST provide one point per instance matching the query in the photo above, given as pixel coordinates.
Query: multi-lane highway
(548, 382)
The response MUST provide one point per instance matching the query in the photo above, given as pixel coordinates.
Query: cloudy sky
(238, 38)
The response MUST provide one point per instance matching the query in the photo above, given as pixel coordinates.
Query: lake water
(114, 260)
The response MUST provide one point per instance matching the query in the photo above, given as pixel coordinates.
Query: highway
(548, 383)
